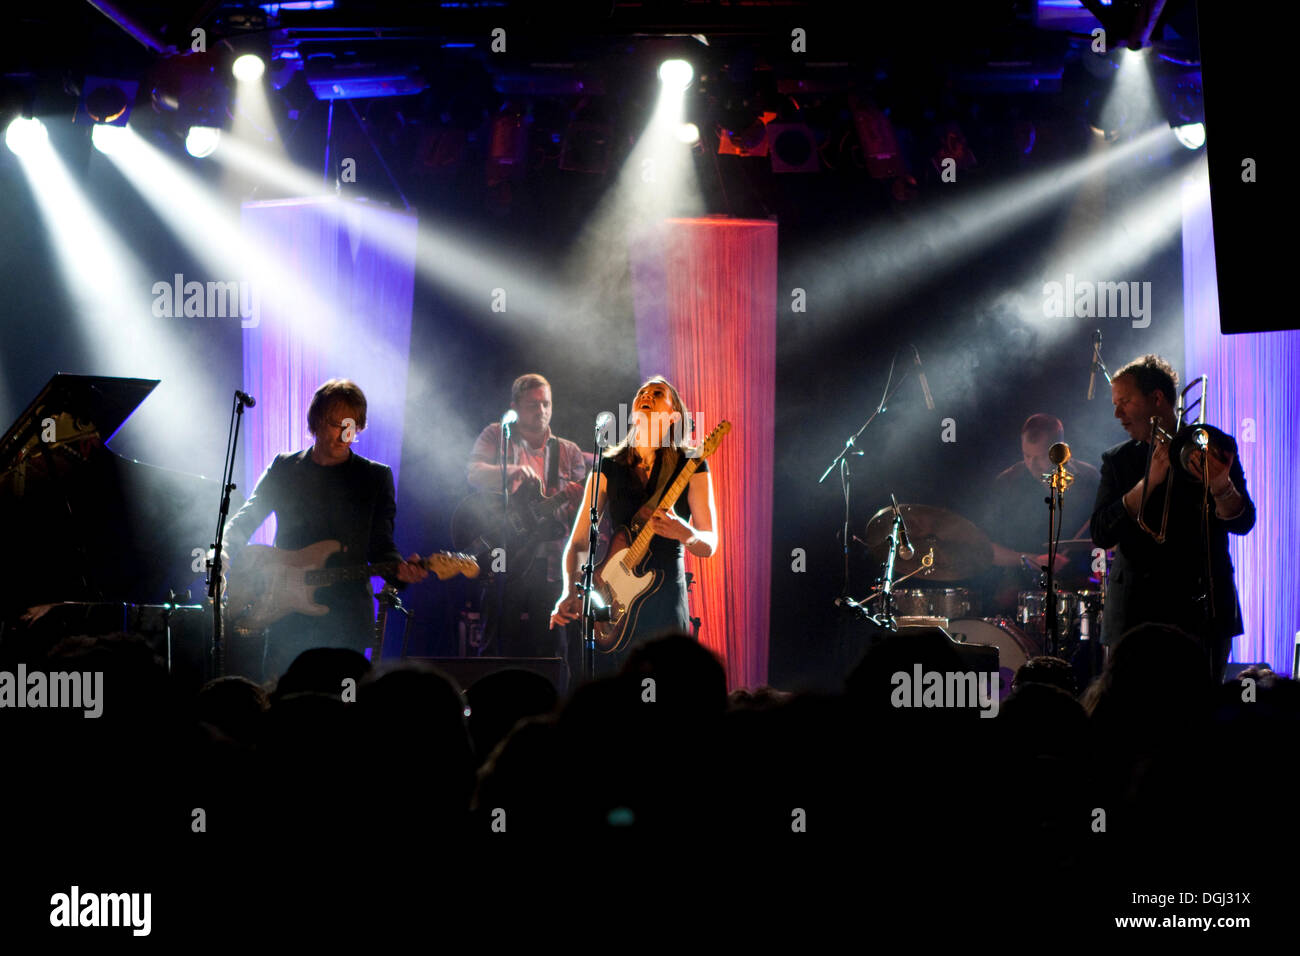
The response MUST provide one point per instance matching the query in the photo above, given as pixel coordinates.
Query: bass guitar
(268, 583)
(619, 580)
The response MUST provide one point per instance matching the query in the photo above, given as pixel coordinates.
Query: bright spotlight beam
(107, 137)
(887, 261)
(208, 228)
(248, 68)
(676, 74)
(25, 137)
(202, 141)
(444, 258)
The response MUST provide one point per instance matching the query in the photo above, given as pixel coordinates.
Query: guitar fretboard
(638, 549)
(324, 577)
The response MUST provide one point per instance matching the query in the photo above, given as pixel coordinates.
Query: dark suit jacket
(353, 503)
(1161, 583)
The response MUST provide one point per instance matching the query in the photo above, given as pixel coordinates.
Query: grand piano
(108, 541)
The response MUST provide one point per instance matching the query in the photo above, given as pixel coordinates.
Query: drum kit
(945, 547)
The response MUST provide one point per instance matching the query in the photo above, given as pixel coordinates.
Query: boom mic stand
(842, 460)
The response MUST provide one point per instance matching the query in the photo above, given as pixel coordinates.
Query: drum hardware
(884, 616)
(850, 449)
(960, 549)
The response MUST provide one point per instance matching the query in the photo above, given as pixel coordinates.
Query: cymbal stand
(841, 459)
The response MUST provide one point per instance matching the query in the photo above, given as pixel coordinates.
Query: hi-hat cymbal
(961, 550)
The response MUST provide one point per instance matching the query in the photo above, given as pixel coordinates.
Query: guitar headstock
(714, 439)
(448, 564)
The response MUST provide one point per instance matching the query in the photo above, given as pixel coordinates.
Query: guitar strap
(667, 468)
(552, 465)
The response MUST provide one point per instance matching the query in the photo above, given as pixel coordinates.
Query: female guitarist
(635, 473)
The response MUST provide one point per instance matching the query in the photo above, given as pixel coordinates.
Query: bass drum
(1014, 646)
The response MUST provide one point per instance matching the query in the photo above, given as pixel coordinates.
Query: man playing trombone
(1168, 523)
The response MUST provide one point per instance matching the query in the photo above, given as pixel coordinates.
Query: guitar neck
(325, 577)
(642, 543)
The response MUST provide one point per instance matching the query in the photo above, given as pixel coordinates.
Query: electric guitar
(479, 527)
(621, 585)
(267, 583)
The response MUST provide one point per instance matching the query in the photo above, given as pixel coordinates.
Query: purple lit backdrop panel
(358, 261)
(1254, 394)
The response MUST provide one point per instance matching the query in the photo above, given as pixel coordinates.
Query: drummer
(1016, 519)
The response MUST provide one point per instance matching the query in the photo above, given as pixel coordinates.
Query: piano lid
(81, 406)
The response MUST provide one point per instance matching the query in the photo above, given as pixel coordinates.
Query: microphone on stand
(925, 385)
(905, 549)
(603, 421)
(509, 418)
(244, 397)
(1058, 454)
(1092, 371)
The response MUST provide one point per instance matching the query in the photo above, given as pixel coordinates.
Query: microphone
(1092, 370)
(509, 418)
(1059, 453)
(603, 421)
(905, 549)
(925, 385)
(244, 397)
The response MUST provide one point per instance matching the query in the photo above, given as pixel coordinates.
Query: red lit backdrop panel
(704, 291)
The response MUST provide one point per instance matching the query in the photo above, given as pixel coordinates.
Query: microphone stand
(1055, 501)
(588, 618)
(895, 539)
(215, 569)
(842, 460)
(505, 527)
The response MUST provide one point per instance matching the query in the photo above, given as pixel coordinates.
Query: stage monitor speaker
(1252, 189)
(466, 670)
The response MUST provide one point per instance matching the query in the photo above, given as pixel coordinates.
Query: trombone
(1185, 441)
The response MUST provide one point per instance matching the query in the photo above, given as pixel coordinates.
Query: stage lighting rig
(106, 100)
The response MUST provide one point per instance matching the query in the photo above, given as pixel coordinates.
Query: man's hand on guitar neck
(411, 570)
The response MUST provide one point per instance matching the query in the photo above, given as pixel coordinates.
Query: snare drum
(1014, 646)
(950, 603)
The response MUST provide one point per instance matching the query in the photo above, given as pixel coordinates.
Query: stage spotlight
(676, 74)
(26, 136)
(248, 68)
(201, 141)
(108, 138)
(688, 133)
(794, 148)
(1191, 135)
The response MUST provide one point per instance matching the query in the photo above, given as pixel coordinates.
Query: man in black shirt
(1186, 581)
(326, 492)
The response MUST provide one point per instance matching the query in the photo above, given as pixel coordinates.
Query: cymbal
(1048, 544)
(961, 550)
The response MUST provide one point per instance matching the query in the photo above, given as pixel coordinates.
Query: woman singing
(633, 472)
